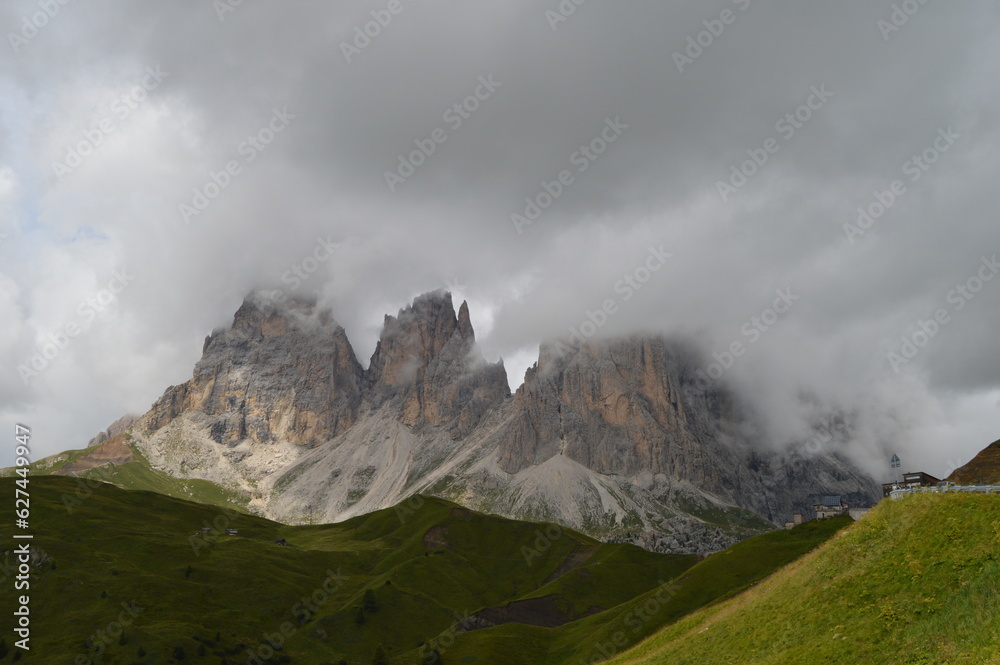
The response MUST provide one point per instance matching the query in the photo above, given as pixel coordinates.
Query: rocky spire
(411, 340)
(427, 361)
(464, 322)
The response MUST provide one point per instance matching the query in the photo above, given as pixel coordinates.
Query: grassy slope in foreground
(917, 581)
(221, 602)
(602, 635)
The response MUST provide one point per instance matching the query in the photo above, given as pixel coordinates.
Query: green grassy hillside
(917, 581)
(603, 635)
(410, 580)
(395, 578)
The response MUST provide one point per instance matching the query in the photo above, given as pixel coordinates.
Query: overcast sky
(185, 153)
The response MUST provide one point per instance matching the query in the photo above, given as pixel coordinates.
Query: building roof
(831, 501)
(921, 475)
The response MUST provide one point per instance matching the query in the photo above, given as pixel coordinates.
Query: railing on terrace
(982, 489)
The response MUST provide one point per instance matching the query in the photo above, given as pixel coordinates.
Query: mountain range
(613, 437)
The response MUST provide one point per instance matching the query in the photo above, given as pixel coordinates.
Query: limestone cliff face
(281, 372)
(629, 408)
(612, 437)
(617, 407)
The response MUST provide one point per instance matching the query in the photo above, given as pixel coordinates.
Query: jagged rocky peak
(416, 336)
(285, 370)
(464, 322)
(427, 360)
(266, 314)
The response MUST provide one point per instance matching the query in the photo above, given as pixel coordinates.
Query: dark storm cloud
(535, 104)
